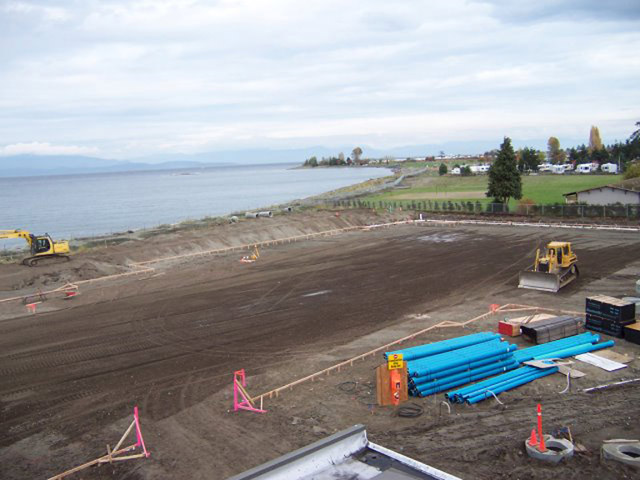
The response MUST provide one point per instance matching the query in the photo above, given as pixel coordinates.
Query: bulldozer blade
(547, 282)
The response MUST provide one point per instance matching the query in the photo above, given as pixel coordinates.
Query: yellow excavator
(42, 247)
(553, 270)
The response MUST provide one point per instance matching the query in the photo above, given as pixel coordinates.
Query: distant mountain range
(31, 165)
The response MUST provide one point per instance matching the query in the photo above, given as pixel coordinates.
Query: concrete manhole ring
(628, 453)
(557, 449)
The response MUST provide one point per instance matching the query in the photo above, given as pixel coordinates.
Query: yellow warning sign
(395, 361)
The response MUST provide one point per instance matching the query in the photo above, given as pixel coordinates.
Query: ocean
(72, 206)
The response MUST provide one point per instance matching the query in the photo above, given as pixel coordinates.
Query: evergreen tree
(443, 169)
(504, 177)
(528, 159)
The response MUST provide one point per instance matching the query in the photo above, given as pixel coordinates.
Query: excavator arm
(4, 234)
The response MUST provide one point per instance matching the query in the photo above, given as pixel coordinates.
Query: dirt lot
(169, 340)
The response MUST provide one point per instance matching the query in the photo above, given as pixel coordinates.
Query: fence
(629, 212)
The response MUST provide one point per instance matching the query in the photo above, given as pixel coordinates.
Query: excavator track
(45, 260)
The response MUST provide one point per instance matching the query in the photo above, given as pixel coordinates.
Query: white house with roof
(606, 195)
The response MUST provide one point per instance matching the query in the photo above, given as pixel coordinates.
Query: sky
(130, 78)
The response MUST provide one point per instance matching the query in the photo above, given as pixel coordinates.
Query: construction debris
(600, 362)
(627, 453)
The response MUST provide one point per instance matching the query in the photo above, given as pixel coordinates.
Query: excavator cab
(552, 270)
(41, 245)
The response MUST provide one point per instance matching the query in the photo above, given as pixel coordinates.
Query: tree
(443, 169)
(465, 171)
(635, 135)
(528, 159)
(601, 155)
(504, 178)
(633, 171)
(554, 153)
(356, 153)
(595, 142)
(311, 162)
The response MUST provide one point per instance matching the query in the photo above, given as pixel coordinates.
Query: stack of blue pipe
(563, 348)
(493, 386)
(443, 365)
(566, 347)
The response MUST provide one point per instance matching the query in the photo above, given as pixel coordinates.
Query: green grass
(541, 189)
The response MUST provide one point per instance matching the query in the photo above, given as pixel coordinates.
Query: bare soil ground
(169, 341)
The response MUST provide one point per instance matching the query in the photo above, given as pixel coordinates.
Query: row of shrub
(524, 208)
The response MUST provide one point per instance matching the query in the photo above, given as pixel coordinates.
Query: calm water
(80, 205)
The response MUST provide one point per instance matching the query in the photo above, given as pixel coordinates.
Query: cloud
(139, 76)
(618, 10)
(45, 148)
(48, 13)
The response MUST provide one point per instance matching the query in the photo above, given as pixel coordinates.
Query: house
(625, 193)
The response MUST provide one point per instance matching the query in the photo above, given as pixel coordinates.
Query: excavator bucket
(547, 282)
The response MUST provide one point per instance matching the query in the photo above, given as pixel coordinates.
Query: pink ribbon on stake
(139, 432)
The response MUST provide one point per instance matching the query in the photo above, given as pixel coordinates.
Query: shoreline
(86, 243)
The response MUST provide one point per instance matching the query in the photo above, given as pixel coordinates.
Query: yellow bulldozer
(552, 270)
(42, 247)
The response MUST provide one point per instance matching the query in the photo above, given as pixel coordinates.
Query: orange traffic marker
(533, 441)
(541, 446)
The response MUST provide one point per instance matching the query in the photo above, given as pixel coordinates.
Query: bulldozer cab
(560, 254)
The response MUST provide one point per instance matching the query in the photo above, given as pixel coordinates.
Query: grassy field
(541, 189)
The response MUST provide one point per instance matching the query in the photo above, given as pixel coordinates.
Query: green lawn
(541, 189)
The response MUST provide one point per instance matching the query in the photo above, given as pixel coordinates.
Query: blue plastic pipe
(527, 354)
(510, 385)
(423, 369)
(577, 350)
(461, 380)
(430, 349)
(456, 376)
(489, 382)
(462, 368)
(446, 357)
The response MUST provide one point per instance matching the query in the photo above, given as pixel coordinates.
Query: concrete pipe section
(627, 453)
(557, 450)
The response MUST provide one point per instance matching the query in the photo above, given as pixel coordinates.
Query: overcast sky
(126, 78)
